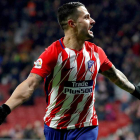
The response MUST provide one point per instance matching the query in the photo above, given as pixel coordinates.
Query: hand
(4, 111)
(136, 93)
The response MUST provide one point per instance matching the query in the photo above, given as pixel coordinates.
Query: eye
(87, 17)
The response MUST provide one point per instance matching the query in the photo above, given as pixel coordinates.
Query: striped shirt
(70, 79)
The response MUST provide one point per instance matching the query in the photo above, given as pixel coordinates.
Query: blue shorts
(84, 133)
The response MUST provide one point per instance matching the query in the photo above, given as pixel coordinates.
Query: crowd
(31, 131)
(28, 27)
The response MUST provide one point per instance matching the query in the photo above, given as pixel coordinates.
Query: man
(69, 68)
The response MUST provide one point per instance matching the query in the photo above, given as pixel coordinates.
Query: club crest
(91, 66)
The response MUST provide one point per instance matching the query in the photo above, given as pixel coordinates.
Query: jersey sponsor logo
(91, 66)
(38, 63)
(78, 87)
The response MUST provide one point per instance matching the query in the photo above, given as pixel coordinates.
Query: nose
(92, 22)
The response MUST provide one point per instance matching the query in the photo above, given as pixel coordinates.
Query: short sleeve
(46, 62)
(105, 62)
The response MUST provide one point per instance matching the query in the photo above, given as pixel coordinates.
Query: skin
(75, 35)
(78, 31)
(118, 78)
(24, 91)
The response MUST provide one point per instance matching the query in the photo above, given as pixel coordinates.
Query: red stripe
(61, 97)
(94, 118)
(80, 67)
(84, 113)
(49, 85)
(64, 121)
(86, 110)
(59, 102)
(77, 98)
(95, 72)
(67, 116)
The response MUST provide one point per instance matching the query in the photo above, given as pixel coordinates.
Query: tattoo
(36, 76)
(119, 79)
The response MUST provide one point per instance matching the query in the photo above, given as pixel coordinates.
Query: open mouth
(89, 30)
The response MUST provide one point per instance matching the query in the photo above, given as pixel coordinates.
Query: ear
(71, 23)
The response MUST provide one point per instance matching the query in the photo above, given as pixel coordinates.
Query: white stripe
(73, 64)
(97, 60)
(59, 70)
(80, 66)
(80, 106)
(91, 110)
(66, 106)
(55, 85)
(97, 63)
(72, 76)
(75, 117)
(92, 104)
(90, 114)
(87, 58)
(69, 98)
(56, 80)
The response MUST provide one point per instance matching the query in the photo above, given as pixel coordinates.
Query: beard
(89, 35)
(85, 35)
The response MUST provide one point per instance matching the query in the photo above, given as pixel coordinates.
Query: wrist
(6, 108)
(136, 92)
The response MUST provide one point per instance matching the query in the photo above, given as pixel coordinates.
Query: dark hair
(67, 10)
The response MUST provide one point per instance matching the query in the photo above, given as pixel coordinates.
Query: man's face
(84, 23)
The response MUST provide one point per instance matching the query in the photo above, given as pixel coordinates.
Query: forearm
(20, 95)
(118, 78)
(24, 91)
(121, 81)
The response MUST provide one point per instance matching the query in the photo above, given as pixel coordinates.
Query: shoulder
(90, 45)
(52, 47)
(55, 47)
(96, 49)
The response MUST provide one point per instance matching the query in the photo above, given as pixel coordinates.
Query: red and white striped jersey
(70, 78)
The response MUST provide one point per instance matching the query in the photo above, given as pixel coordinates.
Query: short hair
(67, 11)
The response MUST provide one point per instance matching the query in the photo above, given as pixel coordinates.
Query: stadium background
(27, 27)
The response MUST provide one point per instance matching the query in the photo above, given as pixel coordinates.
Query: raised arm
(118, 78)
(20, 95)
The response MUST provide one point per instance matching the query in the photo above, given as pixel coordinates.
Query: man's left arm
(118, 78)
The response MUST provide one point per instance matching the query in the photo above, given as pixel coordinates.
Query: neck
(71, 41)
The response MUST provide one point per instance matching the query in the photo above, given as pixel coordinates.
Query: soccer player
(69, 68)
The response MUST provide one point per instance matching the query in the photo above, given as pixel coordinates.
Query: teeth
(90, 27)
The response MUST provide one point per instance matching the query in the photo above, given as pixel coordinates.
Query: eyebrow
(88, 14)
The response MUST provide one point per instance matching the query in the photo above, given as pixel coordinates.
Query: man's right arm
(21, 93)
(24, 91)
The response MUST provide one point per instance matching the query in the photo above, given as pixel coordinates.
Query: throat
(73, 44)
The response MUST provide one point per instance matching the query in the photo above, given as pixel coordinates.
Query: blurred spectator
(139, 137)
(4, 134)
(16, 132)
(130, 136)
(38, 130)
(109, 113)
(101, 112)
(28, 132)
